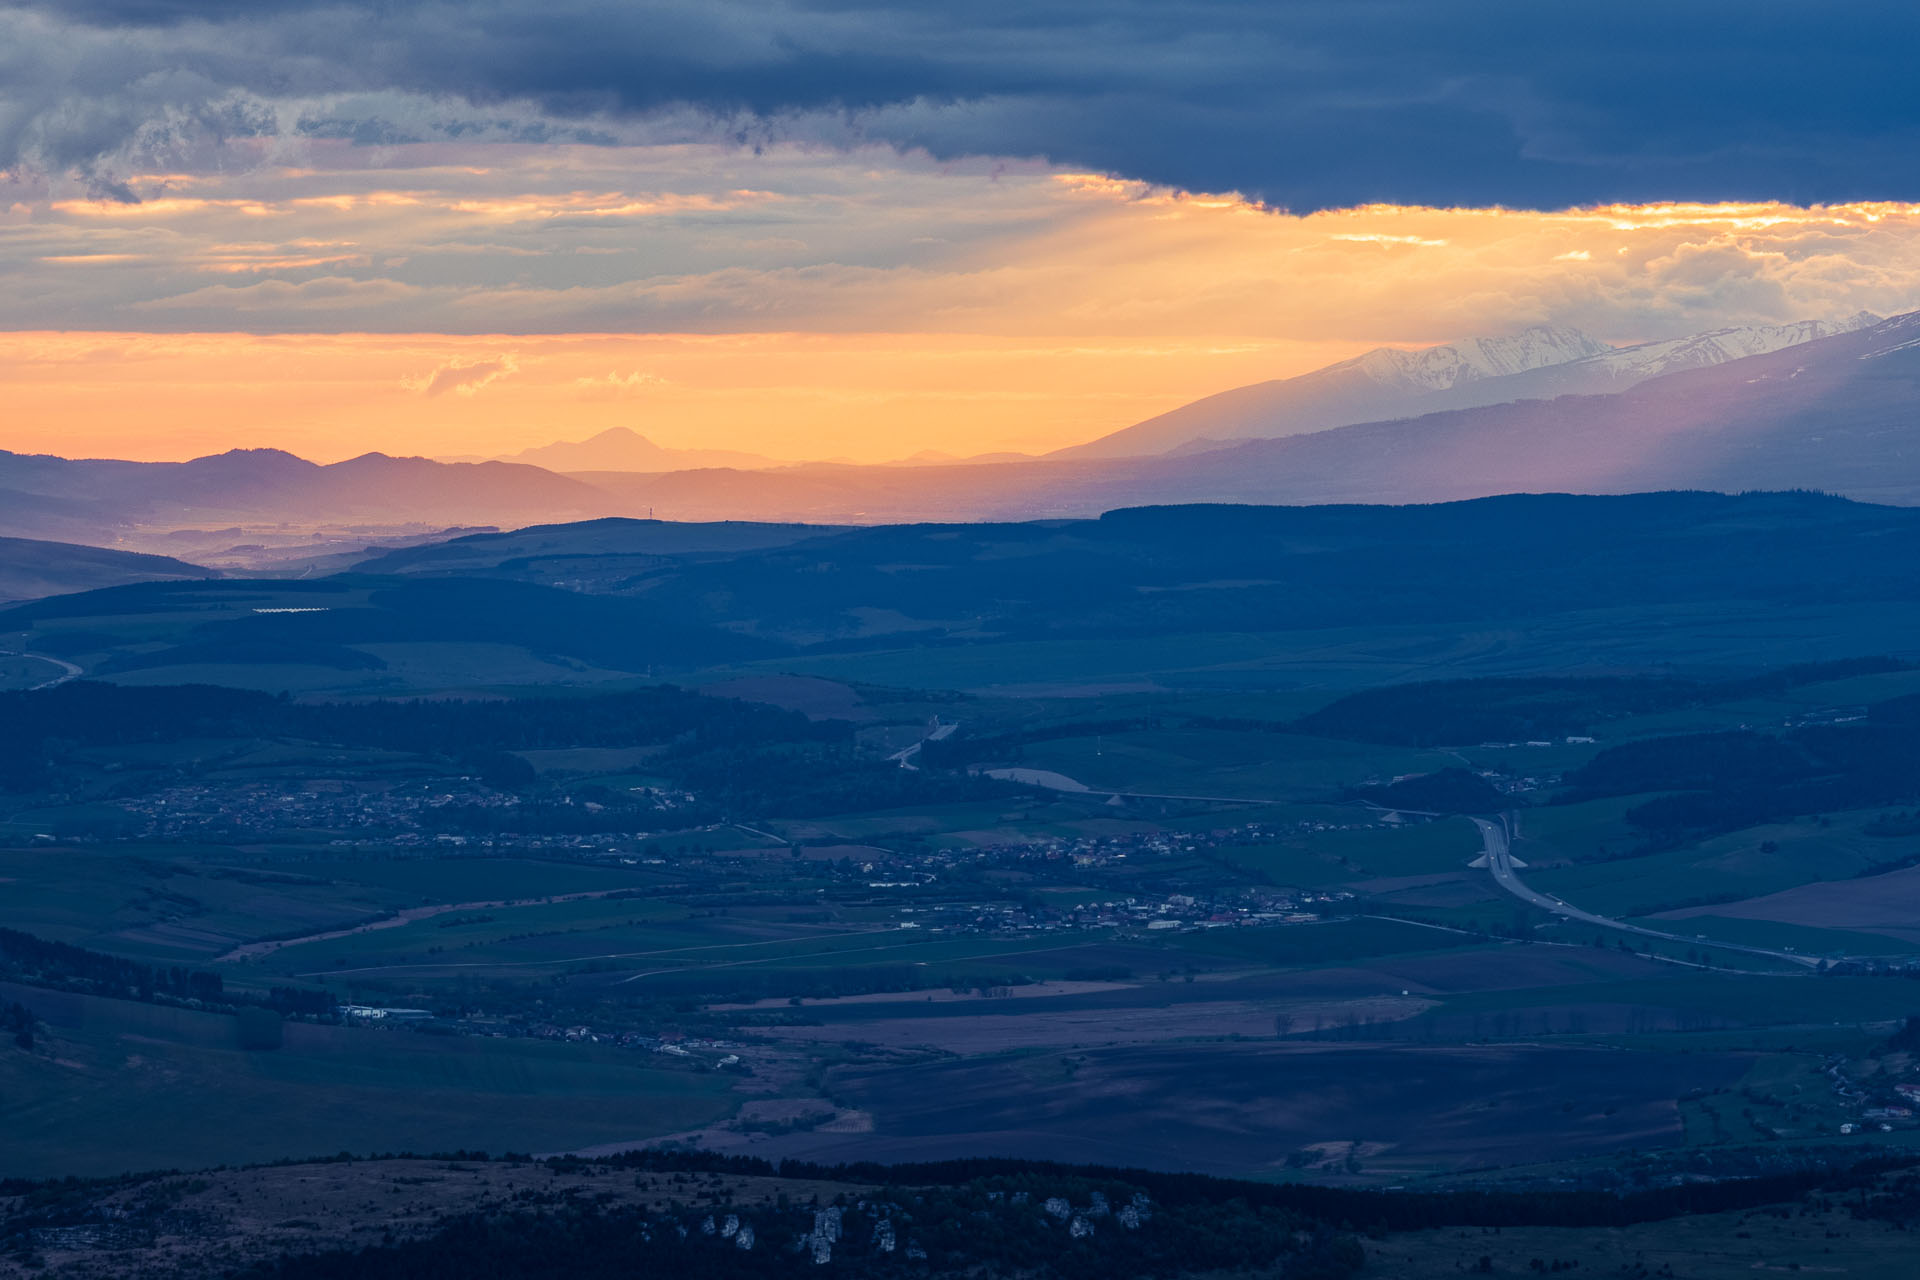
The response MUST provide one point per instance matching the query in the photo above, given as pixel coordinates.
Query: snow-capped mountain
(1616, 369)
(1444, 368)
(1832, 413)
(1536, 363)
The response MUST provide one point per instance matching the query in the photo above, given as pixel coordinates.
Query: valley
(704, 840)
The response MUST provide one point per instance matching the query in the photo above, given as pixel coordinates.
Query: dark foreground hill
(1663, 571)
(690, 1214)
(1175, 570)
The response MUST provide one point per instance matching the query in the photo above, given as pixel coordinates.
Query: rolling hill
(31, 569)
(1495, 585)
(554, 549)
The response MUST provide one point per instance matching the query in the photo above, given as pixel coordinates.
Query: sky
(865, 230)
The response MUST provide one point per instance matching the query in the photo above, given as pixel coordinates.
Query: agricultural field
(1223, 763)
(1382, 1113)
(194, 903)
(130, 1086)
(1750, 863)
(740, 921)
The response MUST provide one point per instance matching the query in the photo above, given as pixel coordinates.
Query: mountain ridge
(1388, 383)
(1833, 412)
(97, 498)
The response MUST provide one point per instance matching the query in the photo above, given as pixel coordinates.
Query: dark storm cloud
(1304, 103)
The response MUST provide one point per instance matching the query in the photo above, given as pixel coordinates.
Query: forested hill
(1669, 563)
(1163, 570)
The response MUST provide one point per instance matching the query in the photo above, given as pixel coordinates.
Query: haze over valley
(1809, 405)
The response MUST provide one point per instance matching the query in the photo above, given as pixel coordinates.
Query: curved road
(68, 670)
(1499, 859)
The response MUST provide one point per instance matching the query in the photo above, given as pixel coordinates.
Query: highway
(939, 733)
(1498, 856)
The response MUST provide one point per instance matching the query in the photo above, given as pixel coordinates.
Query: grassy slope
(132, 1086)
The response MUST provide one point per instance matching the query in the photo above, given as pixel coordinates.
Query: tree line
(1724, 781)
(1452, 713)
(61, 965)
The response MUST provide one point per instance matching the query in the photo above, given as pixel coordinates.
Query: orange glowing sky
(797, 302)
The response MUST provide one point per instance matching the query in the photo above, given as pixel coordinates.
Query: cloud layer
(1305, 104)
(488, 238)
(861, 314)
(847, 227)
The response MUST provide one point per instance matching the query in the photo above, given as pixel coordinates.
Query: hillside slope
(31, 569)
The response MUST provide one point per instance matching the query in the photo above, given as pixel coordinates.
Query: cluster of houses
(713, 1052)
(1116, 850)
(405, 815)
(1175, 911)
(226, 810)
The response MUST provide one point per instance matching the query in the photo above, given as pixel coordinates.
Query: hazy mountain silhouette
(271, 486)
(621, 449)
(1834, 413)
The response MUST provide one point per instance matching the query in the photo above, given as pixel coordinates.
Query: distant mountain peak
(249, 462)
(624, 449)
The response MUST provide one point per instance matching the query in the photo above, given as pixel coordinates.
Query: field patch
(1751, 863)
(1887, 903)
(1141, 1023)
(1331, 942)
(1215, 762)
(120, 1085)
(1243, 1108)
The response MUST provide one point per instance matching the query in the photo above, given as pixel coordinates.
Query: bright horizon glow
(170, 397)
(800, 303)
